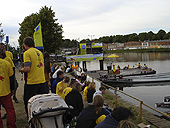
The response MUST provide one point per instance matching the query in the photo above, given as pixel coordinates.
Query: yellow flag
(83, 48)
(38, 37)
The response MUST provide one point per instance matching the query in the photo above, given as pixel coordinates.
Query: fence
(99, 83)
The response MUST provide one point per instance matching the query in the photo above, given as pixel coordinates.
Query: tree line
(144, 36)
(52, 32)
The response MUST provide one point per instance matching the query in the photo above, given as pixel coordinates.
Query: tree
(142, 36)
(51, 31)
(167, 36)
(133, 37)
(150, 34)
(161, 33)
(118, 38)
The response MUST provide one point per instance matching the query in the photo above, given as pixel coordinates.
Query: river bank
(21, 118)
(138, 50)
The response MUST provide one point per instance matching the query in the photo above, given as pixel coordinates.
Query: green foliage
(67, 43)
(51, 30)
(167, 36)
(144, 36)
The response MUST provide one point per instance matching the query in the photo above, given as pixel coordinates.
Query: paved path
(21, 118)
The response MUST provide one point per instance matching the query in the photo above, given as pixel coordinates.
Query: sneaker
(4, 116)
(15, 99)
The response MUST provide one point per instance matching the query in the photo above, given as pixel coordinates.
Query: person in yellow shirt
(139, 65)
(68, 89)
(85, 90)
(8, 53)
(62, 85)
(145, 66)
(6, 87)
(34, 67)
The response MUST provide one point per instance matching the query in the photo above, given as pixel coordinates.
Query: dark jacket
(90, 95)
(54, 84)
(87, 118)
(108, 122)
(74, 99)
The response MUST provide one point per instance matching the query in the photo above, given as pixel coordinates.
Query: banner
(97, 45)
(83, 49)
(87, 57)
(38, 37)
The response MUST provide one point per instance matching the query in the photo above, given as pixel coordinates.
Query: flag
(83, 48)
(38, 37)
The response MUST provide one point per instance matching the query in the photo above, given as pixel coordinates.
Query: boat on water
(121, 72)
(165, 103)
(142, 79)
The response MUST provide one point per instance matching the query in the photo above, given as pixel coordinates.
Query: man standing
(5, 91)
(34, 67)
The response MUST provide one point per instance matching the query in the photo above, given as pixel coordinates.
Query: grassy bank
(139, 50)
(109, 98)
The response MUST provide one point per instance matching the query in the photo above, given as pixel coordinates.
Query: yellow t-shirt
(7, 58)
(9, 54)
(100, 119)
(59, 87)
(36, 73)
(65, 92)
(85, 93)
(5, 72)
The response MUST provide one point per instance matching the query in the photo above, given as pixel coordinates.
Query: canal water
(148, 93)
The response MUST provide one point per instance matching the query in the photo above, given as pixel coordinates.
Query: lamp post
(91, 41)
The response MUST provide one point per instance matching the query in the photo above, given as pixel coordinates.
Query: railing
(99, 83)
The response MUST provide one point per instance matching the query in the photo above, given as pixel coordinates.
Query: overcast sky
(96, 18)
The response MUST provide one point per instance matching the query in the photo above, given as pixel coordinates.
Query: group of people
(96, 113)
(8, 86)
(139, 66)
(37, 70)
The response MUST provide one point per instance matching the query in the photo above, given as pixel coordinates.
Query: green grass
(135, 119)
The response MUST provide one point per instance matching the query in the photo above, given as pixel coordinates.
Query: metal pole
(141, 102)
(91, 41)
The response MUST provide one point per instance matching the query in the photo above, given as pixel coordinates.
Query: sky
(90, 19)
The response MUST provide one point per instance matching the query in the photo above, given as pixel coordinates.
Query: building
(133, 45)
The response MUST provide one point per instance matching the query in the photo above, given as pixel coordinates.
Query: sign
(83, 49)
(97, 45)
(38, 37)
(87, 57)
(7, 39)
